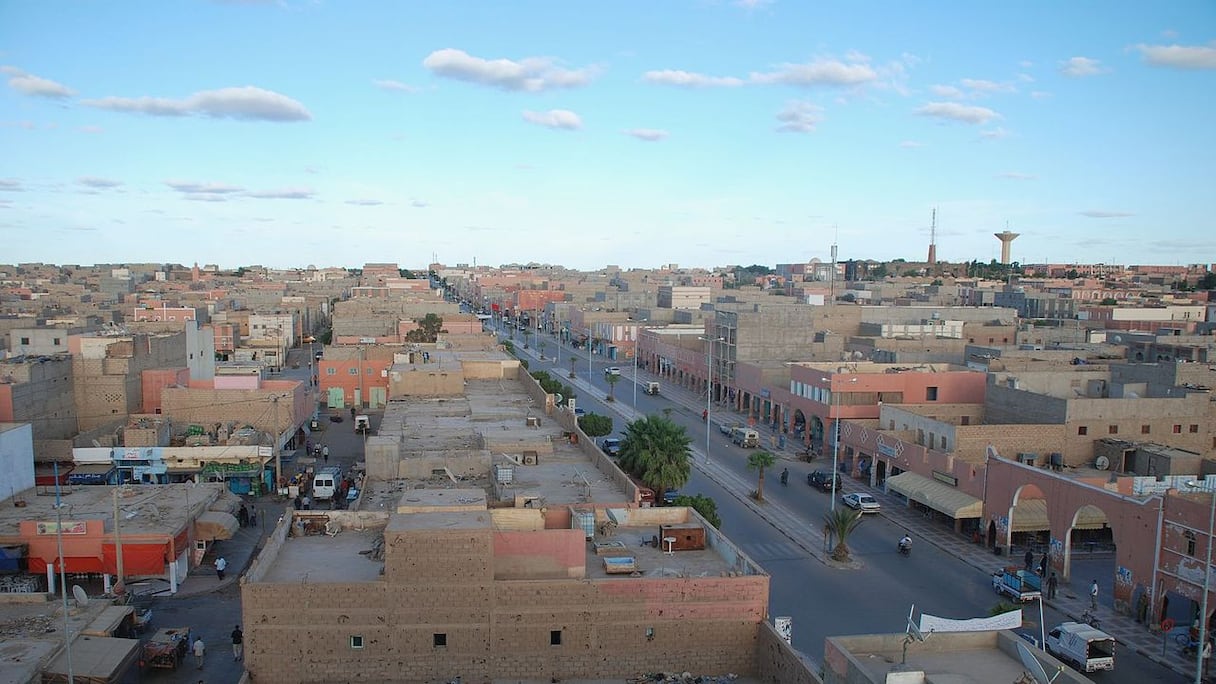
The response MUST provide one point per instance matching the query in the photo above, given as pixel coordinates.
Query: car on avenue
(611, 446)
(861, 502)
(613, 371)
(822, 480)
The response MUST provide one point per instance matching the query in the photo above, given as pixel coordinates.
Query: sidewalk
(238, 551)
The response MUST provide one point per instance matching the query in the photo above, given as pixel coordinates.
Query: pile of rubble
(682, 678)
(26, 627)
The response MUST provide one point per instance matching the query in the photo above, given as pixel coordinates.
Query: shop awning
(215, 525)
(936, 495)
(94, 660)
(1030, 515)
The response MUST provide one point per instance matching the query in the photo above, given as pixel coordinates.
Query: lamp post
(635, 364)
(709, 386)
(836, 441)
(1207, 574)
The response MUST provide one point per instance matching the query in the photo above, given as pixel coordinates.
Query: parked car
(822, 479)
(611, 446)
(669, 497)
(726, 428)
(861, 502)
(613, 371)
(578, 411)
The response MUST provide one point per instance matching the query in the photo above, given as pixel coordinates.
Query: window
(356, 641)
(1083, 430)
(943, 442)
(1113, 429)
(331, 371)
(1193, 429)
(555, 637)
(966, 420)
(1145, 429)
(353, 371)
(1190, 548)
(439, 639)
(55, 341)
(25, 340)
(930, 394)
(1177, 429)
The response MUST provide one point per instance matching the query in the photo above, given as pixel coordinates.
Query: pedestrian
(1052, 583)
(253, 516)
(238, 643)
(1043, 566)
(306, 503)
(325, 453)
(1029, 559)
(220, 566)
(352, 413)
(1207, 656)
(242, 516)
(298, 502)
(199, 650)
(1093, 595)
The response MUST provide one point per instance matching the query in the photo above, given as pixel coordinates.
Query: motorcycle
(905, 548)
(785, 476)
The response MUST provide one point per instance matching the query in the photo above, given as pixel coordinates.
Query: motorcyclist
(704, 415)
(785, 476)
(905, 544)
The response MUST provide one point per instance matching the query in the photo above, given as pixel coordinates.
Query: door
(379, 396)
(336, 399)
(358, 396)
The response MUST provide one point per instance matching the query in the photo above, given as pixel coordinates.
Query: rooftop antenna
(832, 275)
(912, 633)
(933, 242)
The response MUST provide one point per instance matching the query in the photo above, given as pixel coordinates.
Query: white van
(325, 483)
(1085, 648)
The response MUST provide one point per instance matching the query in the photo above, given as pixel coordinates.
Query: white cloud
(282, 193)
(365, 202)
(821, 72)
(994, 133)
(1180, 56)
(1026, 64)
(954, 111)
(688, 79)
(1078, 67)
(36, 86)
(911, 144)
(1040, 94)
(799, 117)
(96, 182)
(396, 86)
(979, 85)
(197, 197)
(1099, 214)
(11, 185)
(203, 188)
(946, 91)
(247, 103)
(647, 134)
(1016, 175)
(555, 118)
(532, 74)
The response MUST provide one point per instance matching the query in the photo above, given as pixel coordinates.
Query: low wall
(777, 661)
(24, 599)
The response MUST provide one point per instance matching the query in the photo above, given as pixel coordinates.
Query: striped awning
(936, 495)
(1030, 515)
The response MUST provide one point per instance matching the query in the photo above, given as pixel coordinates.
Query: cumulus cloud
(689, 79)
(1099, 214)
(555, 118)
(647, 134)
(282, 193)
(365, 202)
(946, 91)
(1180, 56)
(96, 182)
(397, 86)
(954, 111)
(531, 74)
(203, 188)
(799, 117)
(1078, 67)
(821, 72)
(36, 86)
(247, 103)
(1016, 175)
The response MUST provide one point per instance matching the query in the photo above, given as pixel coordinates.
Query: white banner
(1010, 620)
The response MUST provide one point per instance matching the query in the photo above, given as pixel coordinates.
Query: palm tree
(759, 460)
(612, 380)
(656, 451)
(572, 360)
(840, 523)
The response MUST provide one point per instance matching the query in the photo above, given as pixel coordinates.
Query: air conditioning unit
(1027, 458)
(531, 458)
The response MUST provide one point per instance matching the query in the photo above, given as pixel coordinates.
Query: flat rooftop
(653, 562)
(146, 509)
(323, 558)
(869, 367)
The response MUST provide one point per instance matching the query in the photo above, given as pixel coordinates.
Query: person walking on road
(1052, 583)
(199, 649)
(325, 453)
(220, 566)
(1093, 595)
(1043, 566)
(1029, 559)
(238, 643)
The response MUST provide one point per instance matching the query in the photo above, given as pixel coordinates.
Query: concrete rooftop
(324, 558)
(146, 509)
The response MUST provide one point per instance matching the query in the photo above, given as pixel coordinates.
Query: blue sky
(697, 132)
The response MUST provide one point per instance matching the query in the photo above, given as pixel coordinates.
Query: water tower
(1006, 239)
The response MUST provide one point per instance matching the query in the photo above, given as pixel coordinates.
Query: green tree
(1207, 282)
(656, 450)
(595, 425)
(759, 461)
(838, 525)
(707, 507)
(429, 327)
(573, 359)
(612, 380)
(509, 347)
(1109, 301)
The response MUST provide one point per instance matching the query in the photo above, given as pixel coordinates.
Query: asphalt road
(824, 601)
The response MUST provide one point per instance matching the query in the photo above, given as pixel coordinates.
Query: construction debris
(682, 678)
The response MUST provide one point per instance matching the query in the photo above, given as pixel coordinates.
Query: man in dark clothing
(238, 643)
(1052, 583)
(1029, 559)
(1043, 566)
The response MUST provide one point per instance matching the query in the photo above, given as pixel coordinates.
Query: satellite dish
(82, 596)
(557, 398)
(992, 452)
(1102, 463)
(1033, 666)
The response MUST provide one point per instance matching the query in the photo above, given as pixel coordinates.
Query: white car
(861, 502)
(613, 371)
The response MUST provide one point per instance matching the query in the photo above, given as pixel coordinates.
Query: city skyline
(702, 133)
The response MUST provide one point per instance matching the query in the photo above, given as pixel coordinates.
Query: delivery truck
(1086, 648)
(1021, 585)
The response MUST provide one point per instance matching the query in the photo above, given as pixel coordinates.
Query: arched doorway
(817, 432)
(1087, 553)
(1027, 527)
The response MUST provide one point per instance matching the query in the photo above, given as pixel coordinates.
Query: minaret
(933, 243)
(1006, 239)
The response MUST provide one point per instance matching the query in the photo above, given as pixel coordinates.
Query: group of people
(199, 648)
(247, 515)
(1052, 582)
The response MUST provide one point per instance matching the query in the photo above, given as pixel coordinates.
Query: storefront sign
(947, 479)
(886, 450)
(73, 527)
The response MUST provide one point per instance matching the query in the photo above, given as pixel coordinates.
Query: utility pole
(118, 542)
(63, 573)
(274, 446)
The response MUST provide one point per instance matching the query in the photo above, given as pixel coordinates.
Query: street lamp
(635, 364)
(1207, 574)
(836, 441)
(709, 386)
